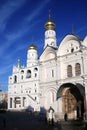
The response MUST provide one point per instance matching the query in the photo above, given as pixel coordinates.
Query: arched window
(28, 74)
(77, 69)
(69, 71)
(22, 71)
(72, 50)
(35, 69)
(15, 79)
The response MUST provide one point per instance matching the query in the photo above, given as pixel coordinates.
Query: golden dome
(32, 47)
(50, 25)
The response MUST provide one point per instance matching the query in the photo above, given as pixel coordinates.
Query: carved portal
(69, 103)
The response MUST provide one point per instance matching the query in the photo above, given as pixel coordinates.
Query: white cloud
(7, 10)
(24, 25)
(37, 10)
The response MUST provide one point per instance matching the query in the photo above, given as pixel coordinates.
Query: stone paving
(27, 121)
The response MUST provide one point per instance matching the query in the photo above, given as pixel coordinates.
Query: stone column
(9, 103)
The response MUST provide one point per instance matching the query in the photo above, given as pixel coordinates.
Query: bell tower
(32, 56)
(50, 33)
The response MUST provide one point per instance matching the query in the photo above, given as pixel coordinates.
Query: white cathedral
(57, 79)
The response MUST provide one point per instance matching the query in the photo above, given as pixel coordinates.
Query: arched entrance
(72, 100)
(68, 103)
(50, 97)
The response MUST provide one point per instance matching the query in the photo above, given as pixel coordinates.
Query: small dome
(50, 25)
(32, 47)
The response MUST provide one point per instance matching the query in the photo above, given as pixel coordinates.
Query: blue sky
(20, 20)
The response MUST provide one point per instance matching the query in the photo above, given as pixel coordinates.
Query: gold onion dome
(32, 47)
(50, 24)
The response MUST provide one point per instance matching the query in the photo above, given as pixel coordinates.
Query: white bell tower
(32, 56)
(50, 33)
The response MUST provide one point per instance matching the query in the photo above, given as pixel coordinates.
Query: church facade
(57, 80)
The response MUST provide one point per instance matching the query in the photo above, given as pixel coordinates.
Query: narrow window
(35, 74)
(28, 74)
(77, 69)
(15, 79)
(22, 77)
(72, 50)
(69, 71)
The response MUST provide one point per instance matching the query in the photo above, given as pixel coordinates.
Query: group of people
(50, 116)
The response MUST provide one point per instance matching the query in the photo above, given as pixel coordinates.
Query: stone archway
(72, 100)
(50, 97)
(69, 103)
